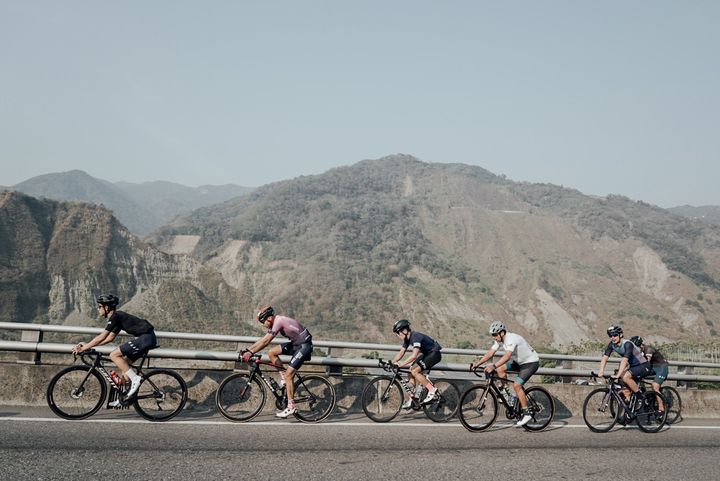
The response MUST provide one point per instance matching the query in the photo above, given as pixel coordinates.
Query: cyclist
(117, 321)
(633, 364)
(657, 363)
(299, 346)
(425, 354)
(519, 356)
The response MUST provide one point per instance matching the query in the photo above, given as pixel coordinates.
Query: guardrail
(32, 342)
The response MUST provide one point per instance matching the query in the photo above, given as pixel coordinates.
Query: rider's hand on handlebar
(245, 355)
(78, 349)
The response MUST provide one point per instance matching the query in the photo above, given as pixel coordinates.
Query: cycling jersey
(627, 349)
(522, 352)
(653, 356)
(290, 328)
(425, 343)
(122, 321)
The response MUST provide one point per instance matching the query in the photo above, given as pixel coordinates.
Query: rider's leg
(661, 401)
(121, 362)
(274, 355)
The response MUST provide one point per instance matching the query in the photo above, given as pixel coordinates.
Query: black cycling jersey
(627, 349)
(654, 356)
(122, 321)
(425, 343)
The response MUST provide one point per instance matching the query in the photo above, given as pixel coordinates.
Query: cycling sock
(131, 374)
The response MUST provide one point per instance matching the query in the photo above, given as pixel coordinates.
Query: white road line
(293, 423)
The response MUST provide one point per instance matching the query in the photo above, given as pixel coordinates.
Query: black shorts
(525, 371)
(641, 370)
(427, 361)
(139, 346)
(300, 353)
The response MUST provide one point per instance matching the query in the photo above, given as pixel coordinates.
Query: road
(36, 445)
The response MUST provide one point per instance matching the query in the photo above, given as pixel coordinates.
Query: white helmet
(496, 327)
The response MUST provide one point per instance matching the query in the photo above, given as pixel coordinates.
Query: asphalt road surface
(36, 445)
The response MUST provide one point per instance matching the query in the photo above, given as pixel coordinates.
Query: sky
(609, 97)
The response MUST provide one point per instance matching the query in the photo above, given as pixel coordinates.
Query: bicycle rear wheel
(161, 395)
(314, 398)
(382, 399)
(597, 412)
(76, 392)
(445, 406)
(673, 403)
(648, 417)
(478, 408)
(240, 398)
(542, 408)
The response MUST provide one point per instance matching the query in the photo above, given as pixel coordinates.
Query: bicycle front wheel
(240, 398)
(446, 405)
(382, 399)
(161, 396)
(673, 403)
(76, 392)
(598, 413)
(478, 408)
(314, 398)
(648, 417)
(541, 406)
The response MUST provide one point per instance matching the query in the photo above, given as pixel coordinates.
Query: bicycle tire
(314, 398)
(240, 398)
(76, 392)
(445, 407)
(673, 404)
(478, 411)
(542, 408)
(597, 412)
(161, 395)
(648, 417)
(382, 399)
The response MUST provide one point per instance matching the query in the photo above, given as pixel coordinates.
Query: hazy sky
(606, 97)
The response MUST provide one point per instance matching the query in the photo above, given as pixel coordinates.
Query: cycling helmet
(637, 340)
(400, 325)
(497, 327)
(614, 331)
(264, 313)
(108, 300)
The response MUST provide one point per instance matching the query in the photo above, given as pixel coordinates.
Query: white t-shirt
(522, 352)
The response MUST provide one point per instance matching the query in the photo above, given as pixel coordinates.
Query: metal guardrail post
(686, 384)
(30, 357)
(331, 370)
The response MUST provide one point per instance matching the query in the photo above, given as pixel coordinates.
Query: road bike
(383, 397)
(78, 392)
(671, 398)
(480, 403)
(241, 396)
(606, 406)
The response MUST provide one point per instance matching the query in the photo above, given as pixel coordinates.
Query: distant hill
(140, 207)
(453, 247)
(706, 213)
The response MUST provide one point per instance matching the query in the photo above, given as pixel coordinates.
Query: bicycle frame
(490, 384)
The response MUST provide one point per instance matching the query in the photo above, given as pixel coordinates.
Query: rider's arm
(488, 355)
(261, 343)
(505, 358)
(411, 359)
(102, 338)
(603, 362)
(399, 355)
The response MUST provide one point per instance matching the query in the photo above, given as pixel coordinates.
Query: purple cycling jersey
(290, 328)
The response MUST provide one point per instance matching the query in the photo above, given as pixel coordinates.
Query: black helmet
(614, 331)
(400, 325)
(108, 300)
(637, 340)
(264, 313)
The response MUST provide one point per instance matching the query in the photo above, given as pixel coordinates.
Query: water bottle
(274, 385)
(117, 379)
(512, 399)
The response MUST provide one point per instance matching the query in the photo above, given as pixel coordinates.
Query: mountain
(449, 246)
(706, 213)
(452, 247)
(140, 207)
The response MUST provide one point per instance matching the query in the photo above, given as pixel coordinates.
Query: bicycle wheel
(597, 412)
(314, 398)
(445, 406)
(240, 398)
(673, 403)
(478, 408)
(541, 406)
(648, 416)
(382, 399)
(76, 392)
(161, 395)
